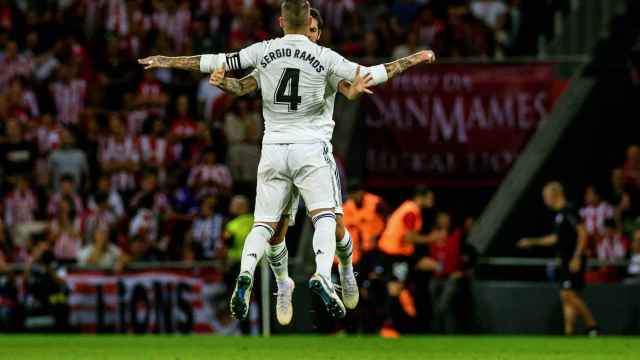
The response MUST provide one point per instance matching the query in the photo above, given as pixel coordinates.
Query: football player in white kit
(277, 254)
(293, 73)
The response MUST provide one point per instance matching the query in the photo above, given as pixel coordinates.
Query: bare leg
(568, 312)
(582, 309)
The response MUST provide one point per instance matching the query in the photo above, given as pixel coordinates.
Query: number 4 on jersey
(289, 80)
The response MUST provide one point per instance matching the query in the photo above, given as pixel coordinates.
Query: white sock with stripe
(278, 257)
(254, 247)
(344, 249)
(324, 242)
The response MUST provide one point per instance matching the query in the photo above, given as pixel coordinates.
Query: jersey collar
(296, 37)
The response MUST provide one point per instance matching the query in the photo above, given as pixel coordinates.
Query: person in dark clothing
(570, 240)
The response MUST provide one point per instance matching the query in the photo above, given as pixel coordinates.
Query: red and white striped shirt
(55, 200)
(184, 127)
(47, 138)
(20, 207)
(154, 151)
(204, 175)
(117, 151)
(594, 217)
(68, 242)
(21, 65)
(69, 99)
(98, 218)
(612, 248)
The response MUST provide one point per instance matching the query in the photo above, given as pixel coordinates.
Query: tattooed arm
(236, 87)
(401, 65)
(191, 63)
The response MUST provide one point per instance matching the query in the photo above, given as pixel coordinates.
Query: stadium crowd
(103, 164)
(92, 144)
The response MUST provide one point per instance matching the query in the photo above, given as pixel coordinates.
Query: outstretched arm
(190, 63)
(233, 86)
(380, 73)
(548, 240)
(401, 65)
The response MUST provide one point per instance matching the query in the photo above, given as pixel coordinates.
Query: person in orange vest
(397, 244)
(404, 225)
(364, 218)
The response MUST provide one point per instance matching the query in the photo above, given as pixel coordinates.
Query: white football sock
(278, 257)
(344, 249)
(254, 247)
(324, 242)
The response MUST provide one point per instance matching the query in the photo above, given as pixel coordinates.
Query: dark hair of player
(316, 15)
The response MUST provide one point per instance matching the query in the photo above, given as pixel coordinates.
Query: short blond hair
(296, 13)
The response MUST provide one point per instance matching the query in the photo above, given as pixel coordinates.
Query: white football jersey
(330, 93)
(296, 77)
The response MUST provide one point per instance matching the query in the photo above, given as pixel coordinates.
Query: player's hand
(574, 264)
(427, 56)
(524, 243)
(217, 77)
(153, 62)
(361, 83)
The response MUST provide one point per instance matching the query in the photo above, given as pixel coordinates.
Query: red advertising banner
(453, 125)
(151, 301)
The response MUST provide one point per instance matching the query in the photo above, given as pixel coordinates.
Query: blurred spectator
(634, 265)
(67, 192)
(145, 224)
(139, 250)
(113, 197)
(491, 12)
(17, 155)
(210, 177)
(71, 161)
(19, 102)
(206, 231)
(183, 127)
(243, 127)
(161, 206)
(6, 248)
(100, 251)
(155, 149)
(594, 214)
(445, 285)
(364, 218)
(64, 232)
(631, 169)
(13, 64)
(100, 217)
(47, 134)
(238, 227)
(20, 207)
(612, 247)
(119, 156)
(68, 94)
(426, 30)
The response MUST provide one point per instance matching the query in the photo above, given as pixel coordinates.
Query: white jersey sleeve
(246, 58)
(334, 81)
(256, 76)
(346, 69)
